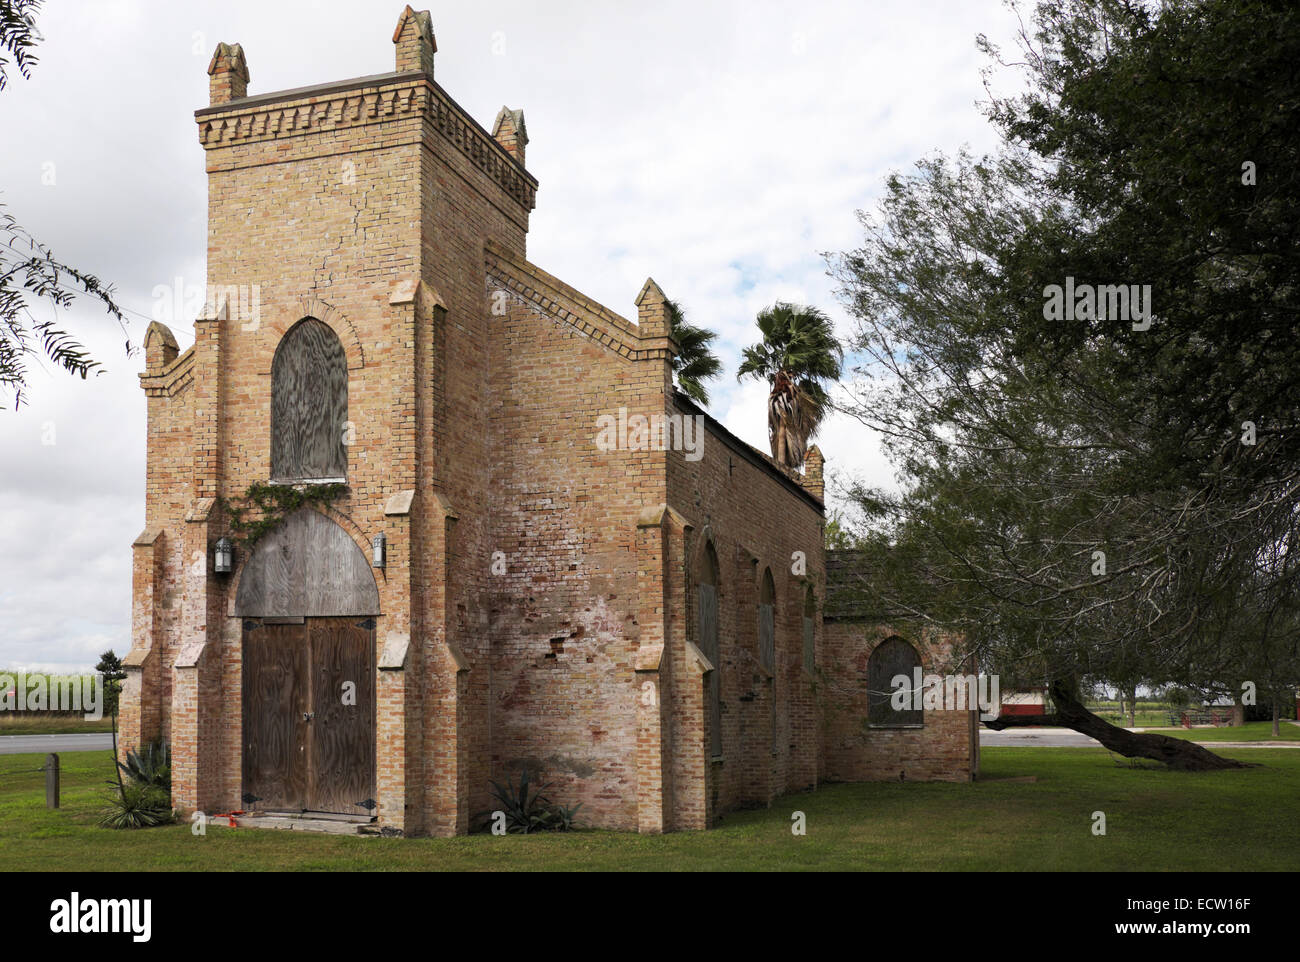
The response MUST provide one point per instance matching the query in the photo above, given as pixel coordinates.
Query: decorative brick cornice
(172, 380)
(547, 295)
(368, 100)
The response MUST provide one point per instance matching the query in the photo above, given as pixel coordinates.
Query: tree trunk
(1132, 707)
(1177, 753)
(1277, 731)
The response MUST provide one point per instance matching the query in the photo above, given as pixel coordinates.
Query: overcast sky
(719, 147)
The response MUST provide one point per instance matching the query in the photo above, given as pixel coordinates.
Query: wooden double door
(309, 715)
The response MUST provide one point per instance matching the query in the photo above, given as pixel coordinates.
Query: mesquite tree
(1081, 354)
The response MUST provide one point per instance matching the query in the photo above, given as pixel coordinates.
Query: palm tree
(797, 356)
(695, 363)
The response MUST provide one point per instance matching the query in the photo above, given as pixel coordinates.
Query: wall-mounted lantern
(378, 551)
(223, 557)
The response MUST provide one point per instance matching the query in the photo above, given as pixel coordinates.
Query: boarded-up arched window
(707, 581)
(309, 405)
(809, 630)
(893, 657)
(767, 646)
(767, 622)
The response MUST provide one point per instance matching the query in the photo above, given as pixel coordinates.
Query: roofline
(746, 451)
(359, 83)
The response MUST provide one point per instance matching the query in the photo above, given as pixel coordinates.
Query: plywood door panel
(343, 722)
(275, 698)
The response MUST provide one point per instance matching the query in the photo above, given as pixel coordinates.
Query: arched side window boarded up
(309, 405)
(767, 622)
(892, 657)
(767, 646)
(809, 633)
(708, 609)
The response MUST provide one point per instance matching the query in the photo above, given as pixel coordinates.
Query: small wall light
(378, 551)
(223, 557)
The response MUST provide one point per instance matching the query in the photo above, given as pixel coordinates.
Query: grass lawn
(1156, 820)
(1249, 732)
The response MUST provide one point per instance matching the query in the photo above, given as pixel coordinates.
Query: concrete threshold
(305, 822)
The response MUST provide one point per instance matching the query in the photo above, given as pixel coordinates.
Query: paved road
(43, 744)
(1067, 738)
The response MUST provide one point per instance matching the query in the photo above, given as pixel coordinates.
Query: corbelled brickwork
(539, 591)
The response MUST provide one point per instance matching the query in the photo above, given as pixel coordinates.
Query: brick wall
(944, 749)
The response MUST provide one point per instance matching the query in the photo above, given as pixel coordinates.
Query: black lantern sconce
(223, 557)
(378, 551)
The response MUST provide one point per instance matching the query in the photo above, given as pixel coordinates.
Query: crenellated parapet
(358, 104)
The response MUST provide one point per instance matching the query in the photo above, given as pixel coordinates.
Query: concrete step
(327, 825)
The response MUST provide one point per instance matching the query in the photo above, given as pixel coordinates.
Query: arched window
(767, 622)
(707, 588)
(809, 629)
(767, 646)
(893, 657)
(309, 405)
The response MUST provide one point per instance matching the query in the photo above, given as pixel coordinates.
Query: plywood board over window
(708, 627)
(892, 657)
(309, 405)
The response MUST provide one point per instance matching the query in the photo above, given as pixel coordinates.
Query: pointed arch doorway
(308, 602)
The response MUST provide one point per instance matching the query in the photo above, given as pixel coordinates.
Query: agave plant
(151, 766)
(525, 807)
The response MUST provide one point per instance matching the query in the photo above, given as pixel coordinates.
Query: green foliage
(696, 362)
(110, 667)
(151, 767)
(28, 270)
(264, 507)
(527, 810)
(137, 805)
(18, 36)
(1030, 443)
(798, 355)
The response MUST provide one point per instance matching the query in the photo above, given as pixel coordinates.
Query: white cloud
(719, 147)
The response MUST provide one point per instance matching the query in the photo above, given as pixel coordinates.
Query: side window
(809, 630)
(708, 613)
(309, 405)
(767, 622)
(891, 658)
(767, 647)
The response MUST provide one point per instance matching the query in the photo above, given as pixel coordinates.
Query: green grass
(1156, 820)
(1249, 732)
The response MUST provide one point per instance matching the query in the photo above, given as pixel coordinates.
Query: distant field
(35, 723)
(44, 722)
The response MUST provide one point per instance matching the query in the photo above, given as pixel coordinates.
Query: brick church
(487, 586)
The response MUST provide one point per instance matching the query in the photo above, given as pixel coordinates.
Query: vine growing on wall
(264, 507)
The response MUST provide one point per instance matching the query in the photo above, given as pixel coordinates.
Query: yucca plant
(137, 805)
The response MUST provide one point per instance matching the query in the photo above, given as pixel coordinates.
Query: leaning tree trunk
(1277, 714)
(1070, 713)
